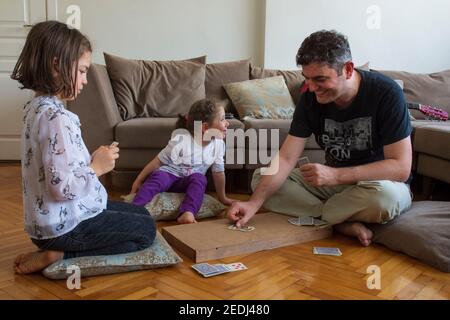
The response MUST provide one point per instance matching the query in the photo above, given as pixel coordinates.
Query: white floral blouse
(59, 187)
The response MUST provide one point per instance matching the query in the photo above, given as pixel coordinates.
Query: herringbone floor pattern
(286, 273)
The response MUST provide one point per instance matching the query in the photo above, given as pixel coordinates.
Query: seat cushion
(438, 134)
(422, 232)
(158, 255)
(155, 88)
(153, 133)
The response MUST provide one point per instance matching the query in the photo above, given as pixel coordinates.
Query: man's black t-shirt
(378, 116)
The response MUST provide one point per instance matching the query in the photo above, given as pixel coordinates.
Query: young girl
(65, 205)
(181, 166)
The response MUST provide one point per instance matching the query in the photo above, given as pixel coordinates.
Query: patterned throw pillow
(158, 255)
(164, 206)
(267, 98)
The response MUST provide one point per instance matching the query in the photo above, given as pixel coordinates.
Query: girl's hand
(104, 160)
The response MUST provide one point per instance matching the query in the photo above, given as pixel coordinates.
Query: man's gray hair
(330, 47)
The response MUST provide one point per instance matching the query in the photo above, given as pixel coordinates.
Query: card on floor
(237, 266)
(327, 251)
(205, 268)
(222, 267)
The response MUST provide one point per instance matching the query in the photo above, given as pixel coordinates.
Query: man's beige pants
(366, 201)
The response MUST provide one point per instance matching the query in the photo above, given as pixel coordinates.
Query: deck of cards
(307, 221)
(302, 161)
(209, 270)
(327, 251)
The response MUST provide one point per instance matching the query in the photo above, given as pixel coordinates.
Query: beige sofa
(142, 138)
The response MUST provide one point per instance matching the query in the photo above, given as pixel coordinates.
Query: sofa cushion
(152, 133)
(439, 134)
(293, 79)
(164, 206)
(266, 98)
(429, 89)
(422, 232)
(158, 255)
(433, 167)
(218, 74)
(155, 88)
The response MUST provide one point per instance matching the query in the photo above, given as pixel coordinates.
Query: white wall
(225, 30)
(414, 35)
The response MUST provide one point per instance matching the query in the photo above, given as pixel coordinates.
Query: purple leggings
(160, 181)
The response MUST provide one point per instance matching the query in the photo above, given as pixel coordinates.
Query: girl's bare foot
(35, 261)
(187, 217)
(356, 229)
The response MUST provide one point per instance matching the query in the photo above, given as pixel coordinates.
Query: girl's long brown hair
(51, 48)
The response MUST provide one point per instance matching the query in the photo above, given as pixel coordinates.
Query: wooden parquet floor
(287, 273)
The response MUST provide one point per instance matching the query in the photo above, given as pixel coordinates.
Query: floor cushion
(164, 206)
(158, 255)
(423, 232)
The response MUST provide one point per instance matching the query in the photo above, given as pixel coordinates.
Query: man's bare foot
(187, 217)
(35, 261)
(356, 229)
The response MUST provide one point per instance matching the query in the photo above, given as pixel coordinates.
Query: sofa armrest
(97, 109)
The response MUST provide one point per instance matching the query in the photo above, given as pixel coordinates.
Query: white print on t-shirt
(340, 138)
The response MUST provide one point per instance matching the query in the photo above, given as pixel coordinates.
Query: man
(361, 120)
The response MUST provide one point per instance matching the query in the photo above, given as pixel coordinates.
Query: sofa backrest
(429, 89)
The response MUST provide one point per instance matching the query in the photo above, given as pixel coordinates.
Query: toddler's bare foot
(356, 229)
(35, 261)
(187, 217)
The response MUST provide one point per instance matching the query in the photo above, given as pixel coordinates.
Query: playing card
(205, 269)
(302, 161)
(237, 266)
(302, 221)
(327, 251)
(294, 221)
(306, 221)
(318, 222)
(244, 228)
(114, 144)
(222, 267)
